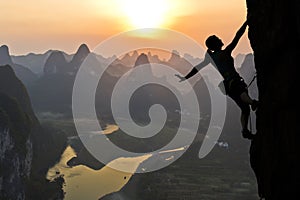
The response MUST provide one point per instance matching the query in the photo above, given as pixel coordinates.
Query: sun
(145, 13)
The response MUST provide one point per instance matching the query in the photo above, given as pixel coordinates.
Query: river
(82, 182)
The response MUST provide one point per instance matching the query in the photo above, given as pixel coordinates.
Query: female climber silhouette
(235, 86)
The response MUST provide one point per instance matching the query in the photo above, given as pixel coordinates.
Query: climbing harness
(250, 121)
(254, 77)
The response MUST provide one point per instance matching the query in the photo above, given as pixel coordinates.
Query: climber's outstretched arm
(195, 69)
(237, 37)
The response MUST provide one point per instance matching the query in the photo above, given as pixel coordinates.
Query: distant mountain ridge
(57, 62)
(52, 89)
(36, 62)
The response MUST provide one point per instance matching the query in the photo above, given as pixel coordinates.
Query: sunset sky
(37, 26)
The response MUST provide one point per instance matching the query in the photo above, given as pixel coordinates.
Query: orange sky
(37, 26)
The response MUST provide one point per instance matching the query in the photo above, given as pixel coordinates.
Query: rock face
(13, 87)
(248, 72)
(16, 149)
(26, 149)
(274, 32)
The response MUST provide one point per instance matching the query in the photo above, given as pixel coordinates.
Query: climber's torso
(224, 63)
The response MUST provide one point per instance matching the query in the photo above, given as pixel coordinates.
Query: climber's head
(214, 43)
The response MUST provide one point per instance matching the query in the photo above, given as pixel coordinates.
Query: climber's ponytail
(209, 52)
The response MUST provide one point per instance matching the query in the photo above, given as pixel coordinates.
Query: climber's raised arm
(237, 37)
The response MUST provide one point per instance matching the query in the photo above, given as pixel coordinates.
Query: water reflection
(110, 128)
(82, 182)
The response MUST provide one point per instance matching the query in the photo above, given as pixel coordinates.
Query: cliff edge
(274, 33)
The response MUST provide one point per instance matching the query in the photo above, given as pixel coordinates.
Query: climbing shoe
(254, 105)
(247, 134)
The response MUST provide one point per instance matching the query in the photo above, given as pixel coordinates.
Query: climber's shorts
(234, 88)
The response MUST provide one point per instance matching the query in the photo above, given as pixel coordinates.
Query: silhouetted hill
(150, 94)
(134, 55)
(16, 123)
(82, 52)
(274, 34)
(5, 58)
(52, 92)
(141, 60)
(15, 148)
(153, 58)
(127, 60)
(56, 63)
(36, 62)
(26, 150)
(117, 69)
(23, 73)
(13, 87)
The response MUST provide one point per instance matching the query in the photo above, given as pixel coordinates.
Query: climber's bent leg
(246, 98)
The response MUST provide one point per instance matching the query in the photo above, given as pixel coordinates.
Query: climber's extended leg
(245, 109)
